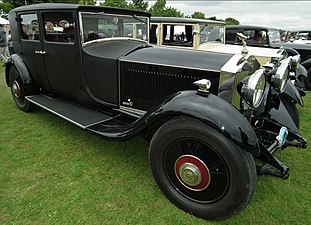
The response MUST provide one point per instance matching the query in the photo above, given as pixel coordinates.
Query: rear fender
(17, 61)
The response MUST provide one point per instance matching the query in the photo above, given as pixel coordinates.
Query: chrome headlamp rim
(253, 90)
(295, 61)
(281, 76)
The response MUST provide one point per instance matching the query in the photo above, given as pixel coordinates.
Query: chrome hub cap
(192, 172)
(16, 89)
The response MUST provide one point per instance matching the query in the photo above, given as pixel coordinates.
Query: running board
(77, 114)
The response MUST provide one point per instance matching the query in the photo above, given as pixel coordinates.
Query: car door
(30, 50)
(61, 55)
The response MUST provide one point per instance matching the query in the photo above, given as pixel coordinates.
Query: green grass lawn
(52, 172)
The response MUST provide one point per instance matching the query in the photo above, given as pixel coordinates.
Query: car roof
(155, 19)
(62, 6)
(251, 27)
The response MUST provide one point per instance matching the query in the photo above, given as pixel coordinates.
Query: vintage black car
(271, 38)
(94, 67)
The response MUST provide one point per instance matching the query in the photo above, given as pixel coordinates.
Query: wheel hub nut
(190, 174)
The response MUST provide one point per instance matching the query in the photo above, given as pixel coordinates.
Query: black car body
(94, 67)
(271, 38)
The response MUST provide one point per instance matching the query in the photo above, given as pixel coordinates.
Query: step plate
(74, 113)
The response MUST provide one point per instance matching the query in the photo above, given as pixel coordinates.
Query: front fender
(215, 112)
(16, 60)
(210, 109)
(301, 71)
(282, 116)
(292, 91)
(306, 63)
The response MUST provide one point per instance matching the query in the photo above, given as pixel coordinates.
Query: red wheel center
(192, 172)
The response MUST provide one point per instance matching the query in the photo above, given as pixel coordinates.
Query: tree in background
(6, 7)
(17, 3)
(115, 3)
(198, 15)
(139, 5)
(87, 2)
(231, 21)
(159, 9)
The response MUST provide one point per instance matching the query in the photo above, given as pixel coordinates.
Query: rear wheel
(200, 170)
(18, 91)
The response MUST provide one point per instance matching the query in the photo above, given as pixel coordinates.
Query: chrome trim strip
(132, 110)
(112, 39)
(81, 28)
(176, 66)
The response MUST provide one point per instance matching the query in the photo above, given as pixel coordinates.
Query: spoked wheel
(201, 171)
(18, 91)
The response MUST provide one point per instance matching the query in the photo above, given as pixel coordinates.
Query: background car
(206, 35)
(272, 40)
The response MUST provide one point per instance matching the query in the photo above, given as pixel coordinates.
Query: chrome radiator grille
(143, 86)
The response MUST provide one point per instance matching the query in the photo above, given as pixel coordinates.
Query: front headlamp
(281, 76)
(253, 90)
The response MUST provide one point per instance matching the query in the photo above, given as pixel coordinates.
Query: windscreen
(212, 33)
(99, 26)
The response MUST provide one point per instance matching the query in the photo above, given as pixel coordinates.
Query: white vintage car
(200, 34)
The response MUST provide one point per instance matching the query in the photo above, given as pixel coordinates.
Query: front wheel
(200, 170)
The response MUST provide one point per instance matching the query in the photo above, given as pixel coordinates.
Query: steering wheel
(64, 24)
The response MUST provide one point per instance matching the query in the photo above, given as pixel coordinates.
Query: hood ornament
(242, 37)
(204, 85)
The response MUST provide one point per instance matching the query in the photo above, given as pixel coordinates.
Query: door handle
(40, 52)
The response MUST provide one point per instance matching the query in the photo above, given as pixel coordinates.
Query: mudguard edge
(16, 60)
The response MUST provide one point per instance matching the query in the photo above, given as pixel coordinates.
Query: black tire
(183, 150)
(291, 108)
(18, 91)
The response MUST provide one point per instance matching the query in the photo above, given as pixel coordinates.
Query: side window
(59, 27)
(232, 37)
(29, 27)
(256, 37)
(177, 35)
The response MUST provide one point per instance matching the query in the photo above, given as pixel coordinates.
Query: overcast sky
(291, 15)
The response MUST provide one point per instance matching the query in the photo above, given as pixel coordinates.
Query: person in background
(10, 43)
(3, 44)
